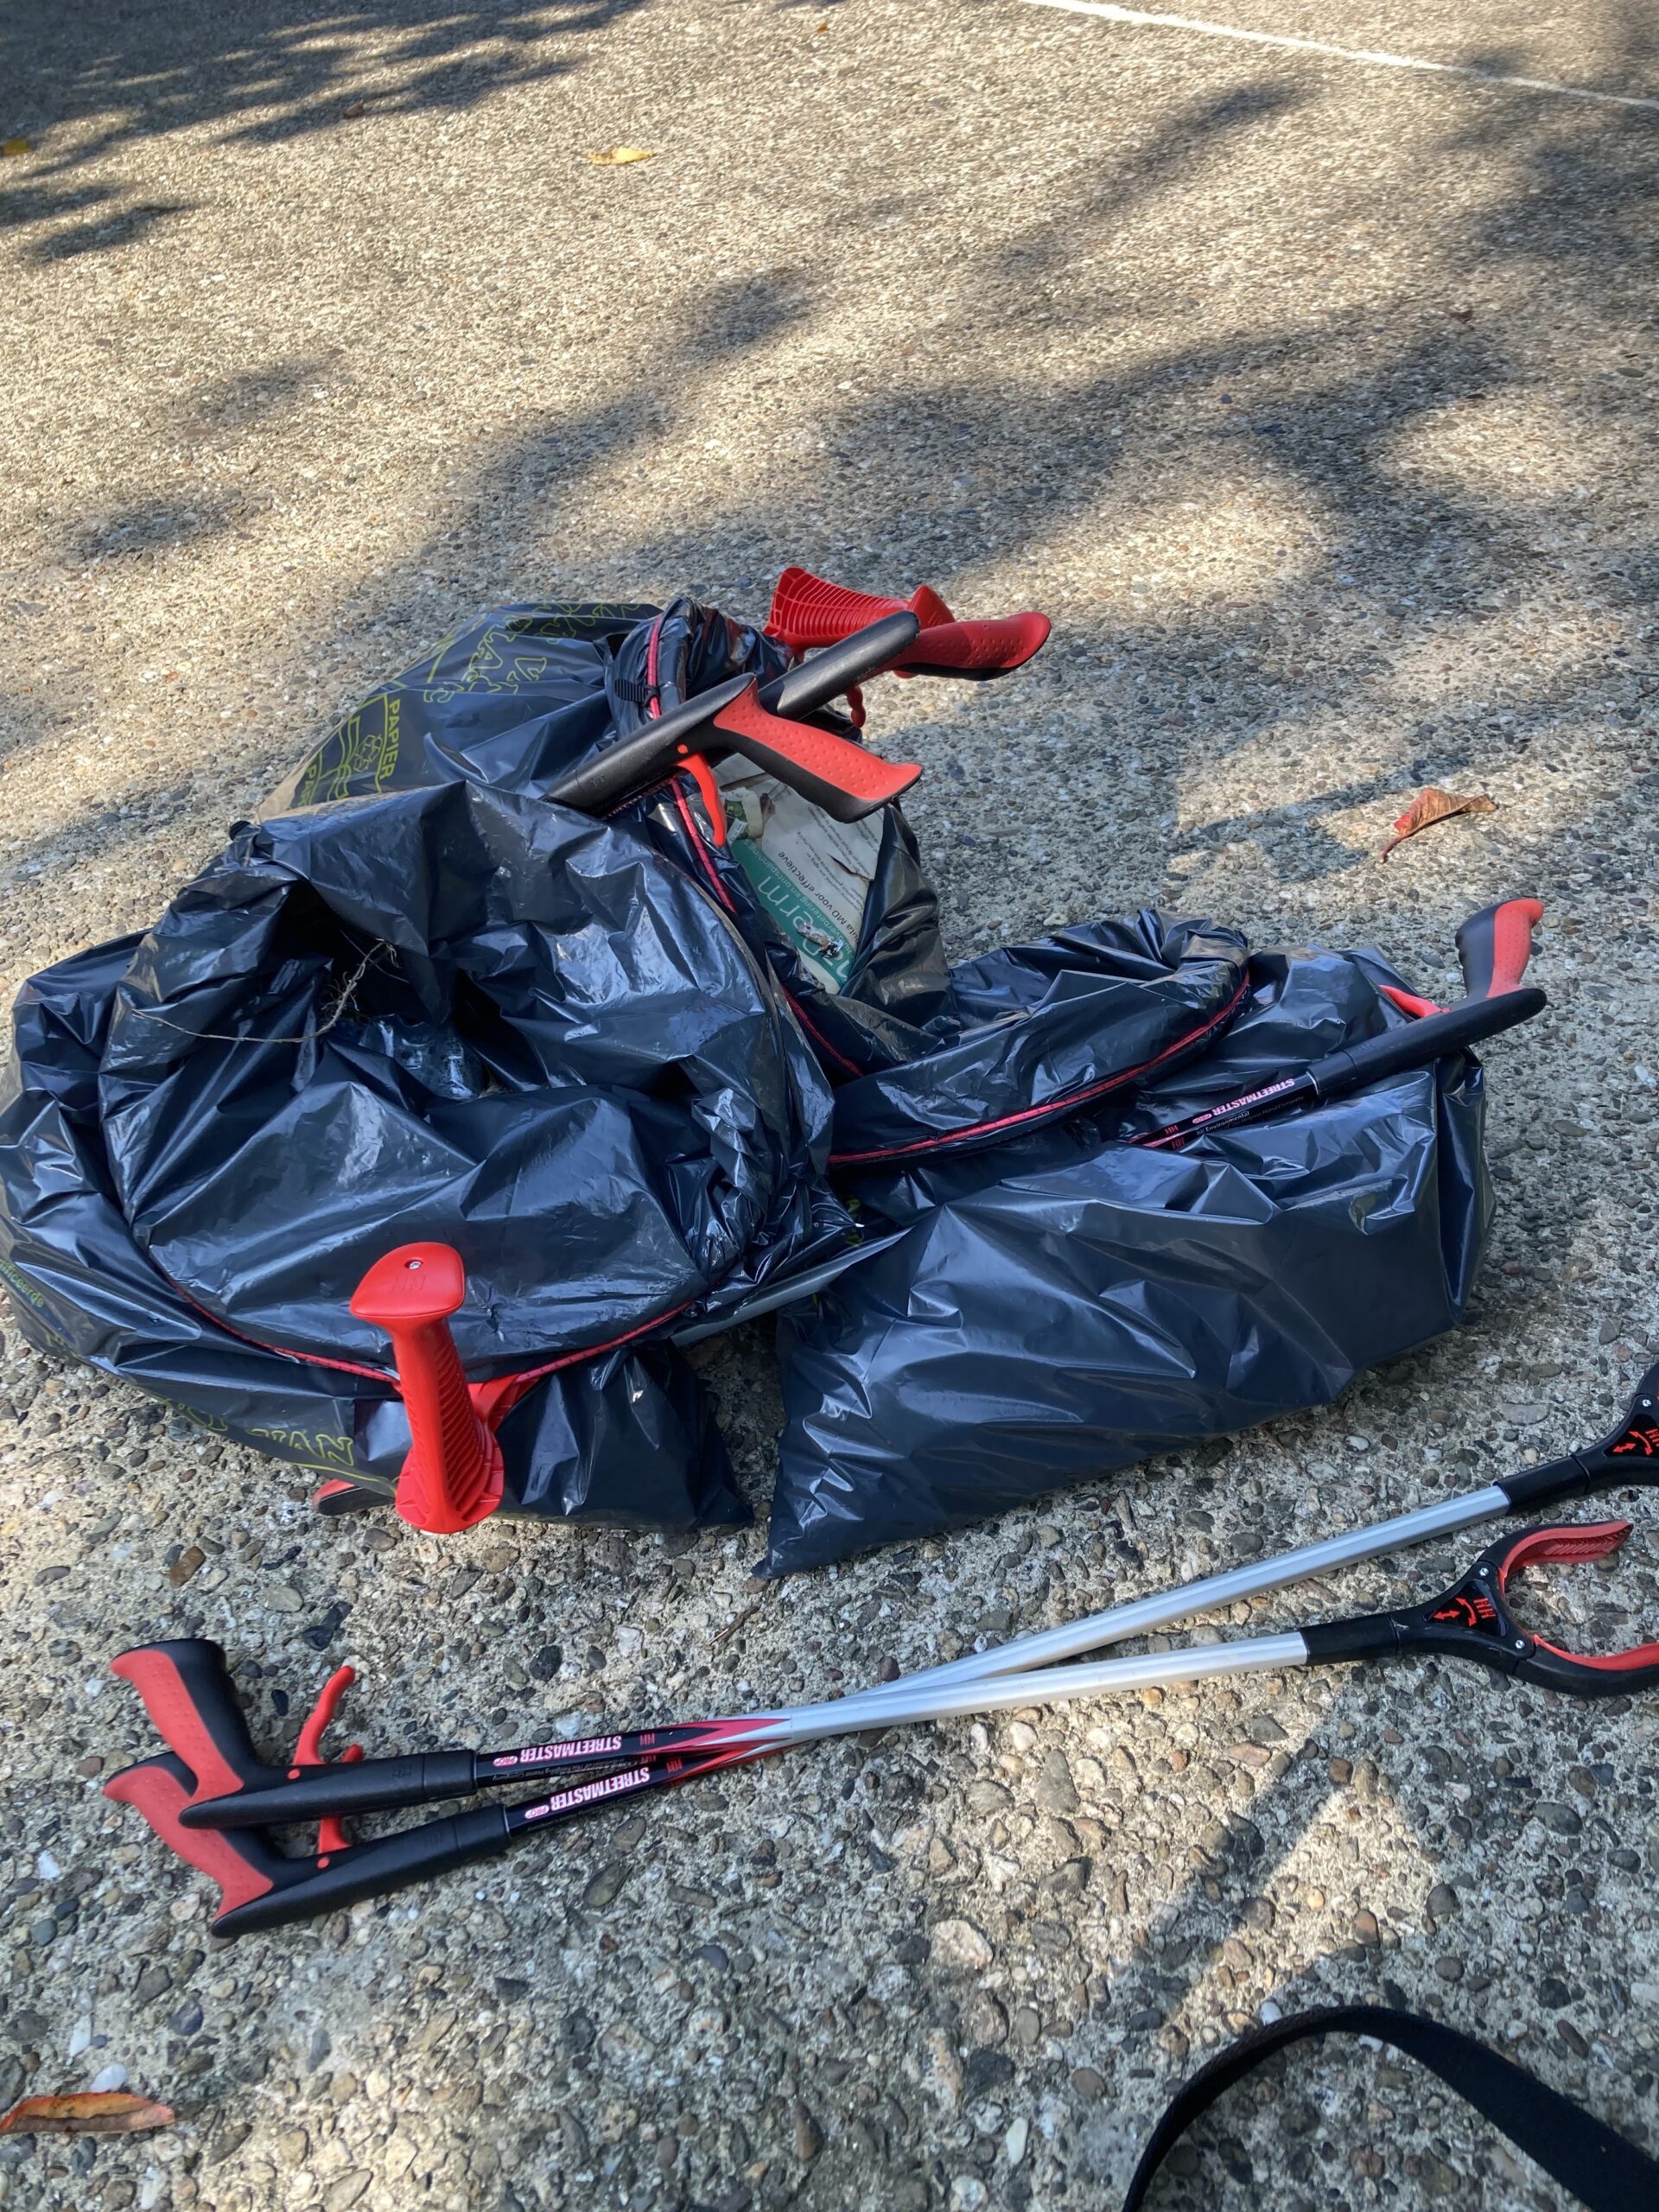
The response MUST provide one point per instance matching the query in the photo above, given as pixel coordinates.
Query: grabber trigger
(309, 1751)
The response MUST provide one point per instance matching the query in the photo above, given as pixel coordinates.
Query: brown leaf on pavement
(86, 2112)
(617, 156)
(356, 108)
(13, 149)
(1434, 806)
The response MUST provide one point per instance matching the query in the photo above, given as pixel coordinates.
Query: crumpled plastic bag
(1066, 1303)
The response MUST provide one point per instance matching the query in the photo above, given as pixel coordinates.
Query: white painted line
(1114, 15)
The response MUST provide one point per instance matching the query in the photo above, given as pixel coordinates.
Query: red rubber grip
(819, 754)
(1495, 945)
(808, 610)
(180, 1721)
(988, 648)
(1512, 928)
(451, 1479)
(1584, 1540)
(156, 1788)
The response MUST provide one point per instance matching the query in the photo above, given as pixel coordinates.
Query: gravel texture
(1313, 400)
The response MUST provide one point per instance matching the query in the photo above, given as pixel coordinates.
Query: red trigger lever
(309, 1751)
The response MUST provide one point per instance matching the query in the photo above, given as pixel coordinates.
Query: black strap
(1602, 2169)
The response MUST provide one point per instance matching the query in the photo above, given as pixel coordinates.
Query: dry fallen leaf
(88, 2112)
(1434, 806)
(356, 108)
(616, 156)
(11, 148)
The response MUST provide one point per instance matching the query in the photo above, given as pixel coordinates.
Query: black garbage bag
(644, 1073)
(1065, 1303)
(1035, 1033)
(511, 702)
(458, 1016)
(443, 1013)
(842, 914)
(623, 1439)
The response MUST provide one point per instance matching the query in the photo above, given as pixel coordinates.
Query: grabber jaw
(1474, 1621)
(1630, 1453)
(453, 1477)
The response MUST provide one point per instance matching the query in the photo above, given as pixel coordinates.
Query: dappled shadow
(247, 396)
(87, 81)
(152, 524)
(1203, 130)
(128, 224)
(1001, 462)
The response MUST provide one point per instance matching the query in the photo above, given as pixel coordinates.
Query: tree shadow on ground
(1319, 404)
(86, 82)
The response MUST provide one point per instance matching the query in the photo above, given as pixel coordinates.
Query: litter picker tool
(210, 1795)
(860, 637)
(760, 722)
(1413, 1044)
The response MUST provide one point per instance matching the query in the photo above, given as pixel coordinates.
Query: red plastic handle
(158, 1789)
(825, 768)
(808, 610)
(451, 1479)
(1493, 948)
(1495, 945)
(982, 648)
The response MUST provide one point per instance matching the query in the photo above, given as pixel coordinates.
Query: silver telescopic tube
(1141, 1616)
(1196, 1662)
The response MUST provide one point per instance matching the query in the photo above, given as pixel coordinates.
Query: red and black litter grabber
(755, 720)
(1414, 1044)
(1473, 1620)
(1493, 948)
(807, 610)
(188, 1694)
(265, 1889)
(1626, 1457)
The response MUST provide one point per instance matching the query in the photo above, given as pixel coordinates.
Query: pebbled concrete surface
(1314, 401)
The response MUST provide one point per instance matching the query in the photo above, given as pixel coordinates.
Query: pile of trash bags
(655, 1074)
